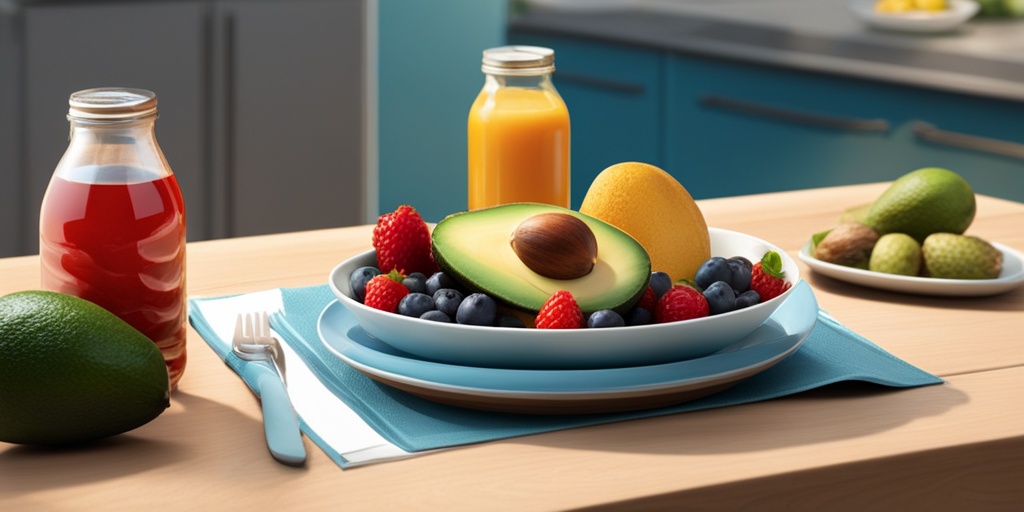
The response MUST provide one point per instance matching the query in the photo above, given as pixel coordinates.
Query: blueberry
(510, 321)
(747, 299)
(357, 281)
(605, 318)
(661, 282)
(415, 304)
(714, 269)
(438, 281)
(447, 300)
(477, 309)
(739, 277)
(416, 282)
(743, 261)
(721, 298)
(436, 316)
(639, 316)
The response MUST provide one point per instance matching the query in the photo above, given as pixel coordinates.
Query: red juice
(120, 245)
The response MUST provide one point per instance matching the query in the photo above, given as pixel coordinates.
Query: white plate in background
(1012, 276)
(957, 13)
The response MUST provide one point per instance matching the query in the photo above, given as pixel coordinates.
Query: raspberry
(385, 291)
(767, 277)
(560, 311)
(648, 300)
(681, 302)
(402, 241)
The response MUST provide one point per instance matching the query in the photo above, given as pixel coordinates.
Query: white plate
(568, 348)
(573, 391)
(958, 12)
(1012, 276)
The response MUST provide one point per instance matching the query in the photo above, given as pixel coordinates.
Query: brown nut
(555, 245)
(847, 244)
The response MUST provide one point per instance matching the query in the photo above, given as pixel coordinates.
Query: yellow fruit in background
(656, 210)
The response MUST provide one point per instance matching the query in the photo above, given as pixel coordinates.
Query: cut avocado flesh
(473, 248)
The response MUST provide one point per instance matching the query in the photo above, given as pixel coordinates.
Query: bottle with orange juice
(518, 131)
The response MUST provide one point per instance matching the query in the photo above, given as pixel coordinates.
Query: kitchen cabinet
(289, 108)
(261, 105)
(156, 46)
(740, 129)
(726, 127)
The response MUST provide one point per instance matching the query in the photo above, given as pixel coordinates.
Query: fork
(254, 342)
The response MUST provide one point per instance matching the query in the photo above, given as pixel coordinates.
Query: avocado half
(473, 248)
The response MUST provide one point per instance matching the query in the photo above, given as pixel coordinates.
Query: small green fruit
(896, 253)
(71, 371)
(952, 256)
(922, 202)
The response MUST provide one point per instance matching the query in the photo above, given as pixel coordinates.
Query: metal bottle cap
(518, 60)
(111, 104)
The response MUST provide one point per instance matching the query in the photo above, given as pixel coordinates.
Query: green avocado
(474, 249)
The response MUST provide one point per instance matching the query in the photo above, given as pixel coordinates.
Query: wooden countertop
(956, 446)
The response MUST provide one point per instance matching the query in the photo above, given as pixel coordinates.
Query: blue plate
(573, 391)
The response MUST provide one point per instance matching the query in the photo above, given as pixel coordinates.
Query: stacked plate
(570, 371)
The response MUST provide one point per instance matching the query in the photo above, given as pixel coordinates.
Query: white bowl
(957, 13)
(612, 347)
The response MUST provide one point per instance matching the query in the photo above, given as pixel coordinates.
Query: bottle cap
(518, 60)
(111, 104)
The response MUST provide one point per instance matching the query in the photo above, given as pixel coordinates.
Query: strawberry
(385, 291)
(648, 300)
(768, 278)
(681, 302)
(560, 311)
(402, 241)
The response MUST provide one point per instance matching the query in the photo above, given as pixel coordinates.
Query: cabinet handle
(601, 83)
(930, 133)
(792, 116)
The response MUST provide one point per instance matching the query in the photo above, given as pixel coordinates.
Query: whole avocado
(922, 202)
(71, 371)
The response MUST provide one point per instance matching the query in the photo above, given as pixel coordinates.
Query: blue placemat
(832, 353)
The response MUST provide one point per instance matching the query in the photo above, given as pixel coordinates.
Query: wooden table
(956, 446)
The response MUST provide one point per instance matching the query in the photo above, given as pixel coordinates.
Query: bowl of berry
(529, 286)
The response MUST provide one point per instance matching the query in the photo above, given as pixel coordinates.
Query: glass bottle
(518, 131)
(112, 222)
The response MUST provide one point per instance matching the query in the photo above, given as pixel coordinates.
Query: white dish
(494, 347)
(573, 391)
(1011, 277)
(958, 12)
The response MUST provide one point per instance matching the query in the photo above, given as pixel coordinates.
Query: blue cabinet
(738, 129)
(726, 128)
(614, 94)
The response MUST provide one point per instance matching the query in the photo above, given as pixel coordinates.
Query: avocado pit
(555, 245)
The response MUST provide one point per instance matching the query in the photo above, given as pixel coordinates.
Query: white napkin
(321, 412)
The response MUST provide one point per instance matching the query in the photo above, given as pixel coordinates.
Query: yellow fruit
(71, 371)
(930, 5)
(655, 209)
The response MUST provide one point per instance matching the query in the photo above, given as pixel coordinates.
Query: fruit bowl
(612, 347)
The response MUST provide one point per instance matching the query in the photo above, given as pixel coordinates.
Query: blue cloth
(832, 353)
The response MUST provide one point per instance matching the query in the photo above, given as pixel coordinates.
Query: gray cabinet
(291, 115)
(261, 105)
(156, 46)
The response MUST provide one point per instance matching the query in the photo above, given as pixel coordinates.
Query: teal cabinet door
(614, 94)
(741, 129)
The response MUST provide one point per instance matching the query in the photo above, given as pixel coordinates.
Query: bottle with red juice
(112, 222)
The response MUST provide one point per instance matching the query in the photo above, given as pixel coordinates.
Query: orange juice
(518, 132)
